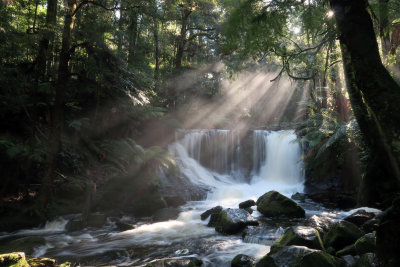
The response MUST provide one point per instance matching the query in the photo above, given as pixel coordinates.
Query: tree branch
(96, 3)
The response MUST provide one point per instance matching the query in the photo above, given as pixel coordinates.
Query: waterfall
(216, 158)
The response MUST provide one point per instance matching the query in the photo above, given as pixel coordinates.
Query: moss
(342, 234)
(15, 259)
(348, 250)
(26, 244)
(365, 244)
(300, 236)
(266, 261)
(42, 262)
(318, 259)
(274, 204)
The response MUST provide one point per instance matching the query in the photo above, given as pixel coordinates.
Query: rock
(247, 204)
(365, 244)
(249, 210)
(298, 196)
(334, 199)
(147, 205)
(242, 260)
(274, 204)
(347, 250)
(349, 259)
(359, 217)
(299, 256)
(186, 262)
(215, 210)
(322, 224)
(232, 221)
(262, 235)
(16, 259)
(42, 262)
(300, 236)
(26, 244)
(368, 260)
(342, 234)
(166, 214)
(74, 225)
(370, 225)
(123, 226)
(213, 220)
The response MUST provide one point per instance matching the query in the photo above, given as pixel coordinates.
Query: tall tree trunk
(58, 114)
(181, 40)
(384, 27)
(373, 93)
(132, 36)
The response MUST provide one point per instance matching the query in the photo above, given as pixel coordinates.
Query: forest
(200, 133)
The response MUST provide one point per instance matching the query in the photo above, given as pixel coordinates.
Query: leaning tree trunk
(373, 93)
(58, 114)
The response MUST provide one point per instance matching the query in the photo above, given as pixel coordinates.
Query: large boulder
(342, 234)
(359, 217)
(166, 214)
(274, 204)
(365, 244)
(322, 224)
(232, 221)
(300, 236)
(242, 260)
(299, 256)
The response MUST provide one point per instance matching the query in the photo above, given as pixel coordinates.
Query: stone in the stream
(215, 210)
(274, 204)
(299, 236)
(359, 217)
(123, 226)
(213, 220)
(232, 221)
(298, 196)
(247, 204)
(368, 260)
(365, 244)
(13, 259)
(242, 260)
(186, 262)
(299, 256)
(25, 244)
(322, 224)
(342, 234)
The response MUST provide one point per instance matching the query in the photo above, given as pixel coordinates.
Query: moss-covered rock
(368, 260)
(300, 236)
(347, 250)
(26, 244)
(15, 259)
(285, 256)
(322, 224)
(320, 259)
(207, 213)
(342, 234)
(274, 204)
(365, 244)
(232, 221)
(242, 260)
(42, 262)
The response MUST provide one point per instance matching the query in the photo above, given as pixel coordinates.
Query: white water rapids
(276, 165)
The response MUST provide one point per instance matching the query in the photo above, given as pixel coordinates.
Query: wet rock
(347, 250)
(370, 225)
(349, 259)
(262, 235)
(334, 199)
(298, 196)
(299, 256)
(242, 260)
(247, 204)
(232, 221)
(342, 234)
(322, 224)
(44, 262)
(207, 213)
(368, 260)
(25, 244)
(359, 217)
(300, 236)
(74, 225)
(213, 220)
(124, 226)
(274, 204)
(13, 259)
(166, 214)
(187, 262)
(365, 244)
(249, 210)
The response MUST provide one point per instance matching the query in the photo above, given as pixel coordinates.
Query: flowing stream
(210, 159)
